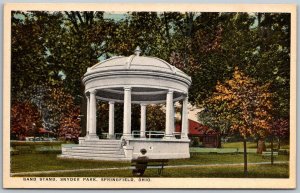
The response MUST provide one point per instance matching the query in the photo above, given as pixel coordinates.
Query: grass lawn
(46, 162)
(223, 158)
(238, 145)
(255, 171)
(251, 145)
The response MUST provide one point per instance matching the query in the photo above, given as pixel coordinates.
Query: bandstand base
(127, 149)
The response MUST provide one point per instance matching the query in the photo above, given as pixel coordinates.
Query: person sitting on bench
(141, 164)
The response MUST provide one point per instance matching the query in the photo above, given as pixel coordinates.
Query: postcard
(149, 96)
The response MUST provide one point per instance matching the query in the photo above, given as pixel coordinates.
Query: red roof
(42, 130)
(196, 128)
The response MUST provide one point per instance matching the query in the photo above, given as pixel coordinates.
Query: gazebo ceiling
(138, 95)
(150, 78)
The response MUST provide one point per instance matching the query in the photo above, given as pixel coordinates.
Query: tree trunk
(278, 145)
(272, 157)
(261, 146)
(245, 158)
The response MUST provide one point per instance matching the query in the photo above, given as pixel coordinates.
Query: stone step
(102, 142)
(96, 144)
(86, 154)
(83, 155)
(96, 148)
(94, 158)
(118, 152)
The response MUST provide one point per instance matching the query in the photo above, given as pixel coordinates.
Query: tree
(246, 105)
(25, 119)
(209, 118)
(54, 49)
(33, 36)
(155, 118)
(272, 58)
(281, 130)
(56, 104)
(69, 128)
(199, 53)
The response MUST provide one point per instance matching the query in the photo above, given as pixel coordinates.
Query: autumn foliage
(23, 117)
(58, 114)
(245, 104)
(66, 113)
(70, 125)
(281, 130)
(52, 50)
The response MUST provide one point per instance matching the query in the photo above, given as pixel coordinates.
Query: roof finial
(137, 51)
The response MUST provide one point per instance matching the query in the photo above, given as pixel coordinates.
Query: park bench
(268, 154)
(14, 151)
(140, 165)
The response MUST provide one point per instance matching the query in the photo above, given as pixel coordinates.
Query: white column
(143, 121)
(169, 115)
(92, 116)
(87, 115)
(127, 112)
(174, 114)
(184, 119)
(111, 128)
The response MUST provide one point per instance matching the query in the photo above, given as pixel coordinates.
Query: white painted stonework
(134, 80)
(159, 149)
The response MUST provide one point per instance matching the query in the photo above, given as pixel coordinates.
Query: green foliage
(103, 117)
(54, 49)
(195, 142)
(155, 118)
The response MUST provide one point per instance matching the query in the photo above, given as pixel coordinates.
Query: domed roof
(136, 63)
(149, 78)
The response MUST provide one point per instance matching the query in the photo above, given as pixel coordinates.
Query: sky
(114, 15)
